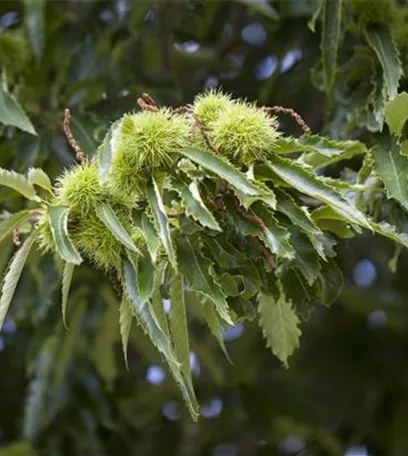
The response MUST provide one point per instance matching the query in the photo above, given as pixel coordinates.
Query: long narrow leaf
(107, 149)
(111, 221)
(159, 339)
(390, 166)
(66, 285)
(310, 184)
(13, 275)
(195, 207)
(178, 325)
(162, 224)
(59, 228)
(331, 21)
(247, 190)
(125, 323)
(196, 269)
(379, 37)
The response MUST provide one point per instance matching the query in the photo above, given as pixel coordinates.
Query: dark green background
(69, 393)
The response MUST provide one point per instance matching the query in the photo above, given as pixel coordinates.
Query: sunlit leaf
(310, 184)
(58, 216)
(36, 176)
(396, 113)
(194, 204)
(162, 224)
(248, 191)
(18, 183)
(280, 324)
(107, 215)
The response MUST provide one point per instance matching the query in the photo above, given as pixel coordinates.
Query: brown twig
(198, 124)
(289, 111)
(201, 127)
(149, 100)
(80, 156)
(146, 106)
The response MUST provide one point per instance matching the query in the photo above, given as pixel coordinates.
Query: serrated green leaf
(331, 280)
(66, 285)
(324, 152)
(196, 269)
(390, 166)
(338, 227)
(272, 235)
(13, 275)
(329, 147)
(147, 321)
(275, 236)
(106, 151)
(125, 324)
(300, 217)
(329, 220)
(36, 176)
(232, 285)
(305, 297)
(18, 183)
(306, 259)
(280, 324)
(159, 213)
(151, 237)
(145, 276)
(178, 325)
(310, 184)
(224, 253)
(12, 114)
(396, 113)
(107, 215)
(157, 301)
(379, 37)
(195, 207)
(247, 190)
(58, 216)
(387, 230)
(13, 222)
(331, 28)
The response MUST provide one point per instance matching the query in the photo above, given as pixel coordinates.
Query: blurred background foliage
(67, 392)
